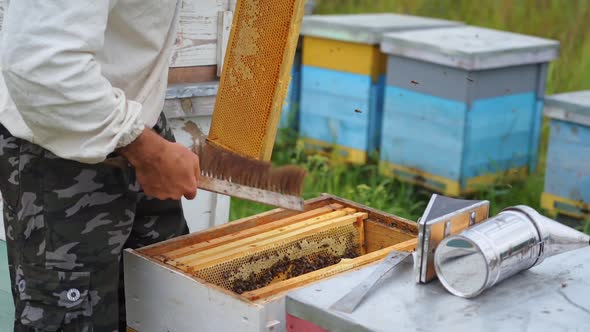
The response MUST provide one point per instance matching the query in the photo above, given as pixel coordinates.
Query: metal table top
(554, 296)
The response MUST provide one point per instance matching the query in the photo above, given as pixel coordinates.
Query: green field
(563, 20)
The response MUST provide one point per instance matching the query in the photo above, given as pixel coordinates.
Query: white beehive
(235, 277)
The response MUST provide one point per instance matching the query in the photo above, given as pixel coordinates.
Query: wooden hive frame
(380, 234)
(256, 76)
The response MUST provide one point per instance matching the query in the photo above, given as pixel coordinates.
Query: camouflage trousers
(66, 226)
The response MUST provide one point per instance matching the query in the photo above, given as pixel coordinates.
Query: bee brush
(231, 174)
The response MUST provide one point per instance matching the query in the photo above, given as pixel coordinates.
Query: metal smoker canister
(517, 239)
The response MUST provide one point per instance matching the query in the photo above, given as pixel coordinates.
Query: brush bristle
(219, 163)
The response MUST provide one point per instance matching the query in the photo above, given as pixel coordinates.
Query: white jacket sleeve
(49, 66)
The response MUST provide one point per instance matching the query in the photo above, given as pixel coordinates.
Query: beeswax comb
(255, 76)
(235, 157)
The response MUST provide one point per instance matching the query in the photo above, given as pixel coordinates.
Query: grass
(563, 20)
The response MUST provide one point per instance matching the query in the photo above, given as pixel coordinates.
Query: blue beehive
(290, 112)
(343, 77)
(567, 176)
(462, 106)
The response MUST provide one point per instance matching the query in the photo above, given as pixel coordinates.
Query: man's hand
(165, 170)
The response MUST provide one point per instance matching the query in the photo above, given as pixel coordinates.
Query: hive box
(343, 79)
(185, 284)
(290, 113)
(462, 106)
(567, 176)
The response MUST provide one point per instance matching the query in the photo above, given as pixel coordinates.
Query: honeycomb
(336, 243)
(278, 254)
(255, 76)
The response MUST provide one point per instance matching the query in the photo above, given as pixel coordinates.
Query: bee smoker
(515, 240)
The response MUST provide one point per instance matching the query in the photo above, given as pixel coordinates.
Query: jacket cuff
(136, 129)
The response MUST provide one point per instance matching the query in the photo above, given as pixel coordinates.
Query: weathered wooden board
(379, 236)
(223, 31)
(196, 44)
(201, 106)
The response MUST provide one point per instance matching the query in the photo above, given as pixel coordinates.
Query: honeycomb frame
(256, 75)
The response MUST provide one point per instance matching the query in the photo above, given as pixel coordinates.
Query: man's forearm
(144, 148)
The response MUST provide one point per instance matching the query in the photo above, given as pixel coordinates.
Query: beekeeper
(81, 95)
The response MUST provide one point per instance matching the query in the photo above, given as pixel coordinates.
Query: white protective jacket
(83, 77)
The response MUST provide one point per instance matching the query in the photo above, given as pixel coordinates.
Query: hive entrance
(274, 257)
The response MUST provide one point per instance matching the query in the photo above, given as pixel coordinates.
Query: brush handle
(257, 195)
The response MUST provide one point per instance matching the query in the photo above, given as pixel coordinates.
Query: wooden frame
(208, 259)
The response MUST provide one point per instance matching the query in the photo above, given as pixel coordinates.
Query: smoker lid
(571, 106)
(470, 48)
(366, 28)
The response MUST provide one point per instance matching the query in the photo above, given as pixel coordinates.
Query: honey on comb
(255, 76)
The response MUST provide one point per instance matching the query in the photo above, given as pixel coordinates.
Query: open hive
(262, 257)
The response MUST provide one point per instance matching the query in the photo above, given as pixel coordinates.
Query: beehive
(290, 113)
(343, 76)
(235, 277)
(255, 77)
(463, 106)
(567, 176)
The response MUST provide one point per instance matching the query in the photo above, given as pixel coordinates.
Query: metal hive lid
(366, 28)
(470, 48)
(570, 106)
